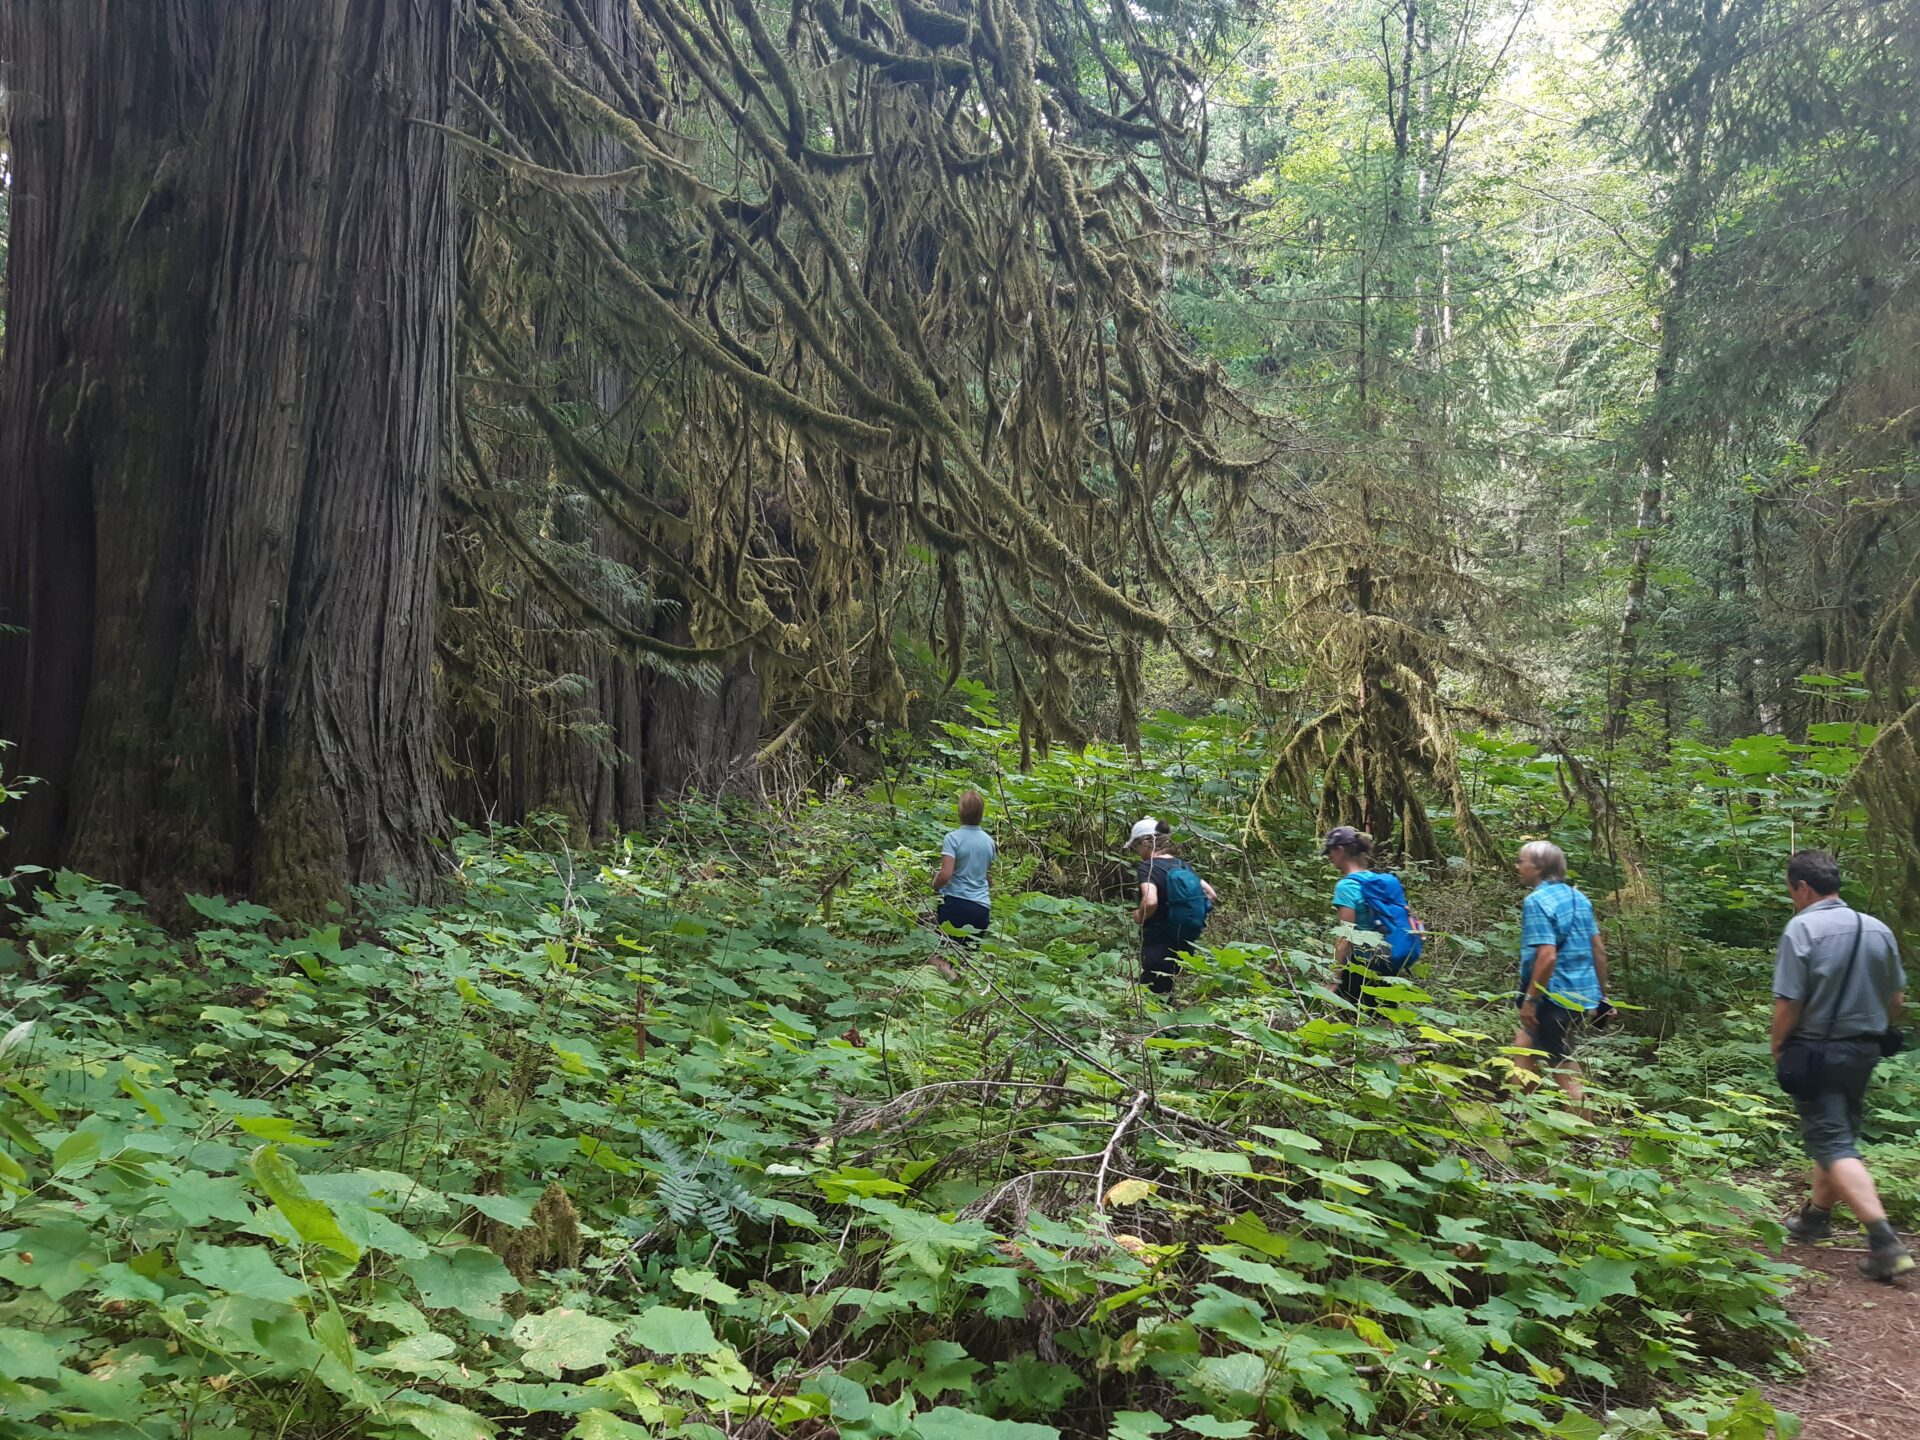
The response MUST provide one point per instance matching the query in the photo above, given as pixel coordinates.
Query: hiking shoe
(1807, 1225)
(1886, 1262)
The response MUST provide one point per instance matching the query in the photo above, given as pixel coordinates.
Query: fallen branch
(909, 1103)
(1140, 1102)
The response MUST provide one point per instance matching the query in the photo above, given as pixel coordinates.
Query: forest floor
(1863, 1372)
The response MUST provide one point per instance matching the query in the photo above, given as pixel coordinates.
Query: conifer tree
(228, 344)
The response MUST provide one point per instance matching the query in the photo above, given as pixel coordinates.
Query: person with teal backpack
(1174, 905)
(1369, 900)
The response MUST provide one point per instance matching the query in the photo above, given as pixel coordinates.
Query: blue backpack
(1387, 903)
(1185, 905)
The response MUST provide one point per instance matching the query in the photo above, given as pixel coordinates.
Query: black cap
(1341, 837)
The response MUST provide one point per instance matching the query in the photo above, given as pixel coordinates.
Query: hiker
(1563, 966)
(1838, 989)
(1371, 900)
(1173, 907)
(961, 880)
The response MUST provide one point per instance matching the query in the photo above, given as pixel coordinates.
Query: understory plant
(691, 1140)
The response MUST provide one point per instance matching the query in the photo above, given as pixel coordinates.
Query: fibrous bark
(221, 420)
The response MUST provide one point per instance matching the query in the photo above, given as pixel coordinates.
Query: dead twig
(1113, 1145)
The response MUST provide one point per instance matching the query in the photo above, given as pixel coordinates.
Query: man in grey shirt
(1837, 982)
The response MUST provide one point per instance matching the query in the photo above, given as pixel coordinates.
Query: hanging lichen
(1373, 600)
(882, 301)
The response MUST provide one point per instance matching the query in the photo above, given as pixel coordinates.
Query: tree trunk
(1646, 523)
(227, 366)
(1746, 649)
(1689, 207)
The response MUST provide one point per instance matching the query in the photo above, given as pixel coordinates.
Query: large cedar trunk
(221, 420)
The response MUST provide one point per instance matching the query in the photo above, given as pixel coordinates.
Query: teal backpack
(1186, 905)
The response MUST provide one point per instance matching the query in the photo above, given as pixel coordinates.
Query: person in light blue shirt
(1350, 851)
(961, 880)
(1563, 966)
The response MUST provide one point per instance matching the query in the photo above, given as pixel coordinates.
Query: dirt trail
(1863, 1373)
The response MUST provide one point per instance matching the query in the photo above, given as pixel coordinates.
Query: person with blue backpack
(1173, 908)
(1373, 901)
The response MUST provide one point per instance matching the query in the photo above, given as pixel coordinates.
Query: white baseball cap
(1142, 828)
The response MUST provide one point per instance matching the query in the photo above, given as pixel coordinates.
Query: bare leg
(1848, 1180)
(1523, 1040)
(1566, 1075)
(1568, 1078)
(1826, 1194)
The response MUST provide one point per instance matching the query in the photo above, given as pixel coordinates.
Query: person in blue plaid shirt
(1563, 966)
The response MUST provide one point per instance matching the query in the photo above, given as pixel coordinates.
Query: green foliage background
(690, 1136)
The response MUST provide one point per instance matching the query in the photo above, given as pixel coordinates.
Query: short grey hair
(1546, 857)
(1816, 868)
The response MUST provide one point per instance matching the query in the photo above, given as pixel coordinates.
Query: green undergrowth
(691, 1139)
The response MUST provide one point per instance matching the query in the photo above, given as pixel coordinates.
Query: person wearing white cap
(1173, 904)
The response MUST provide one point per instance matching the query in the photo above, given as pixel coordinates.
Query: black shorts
(964, 915)
(1360, 970)
(1556, 1030)
(1830, 1121)
(1158, 964)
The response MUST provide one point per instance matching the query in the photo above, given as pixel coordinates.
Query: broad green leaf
(469, 1279)
(120, 1281)
(851, 1180)
(943, 1365)
(513, 1211)
(1258, 1272)
(1006, 1298)
(1232, 1315)
(438, 1419)
(1215, 1162)
(76, 1155)
(1214, 1429)
(33, 1099)
(1342, 1218)
(1601, 1278)
(704, 1285)
(57, 1259)
(605, 1425)
(846, 1400)
(145, 1101)
(330, 1330)
(543, 1399)
(414, 1354)
(15, 1038)
(199, 1199)
(351, 1197)
(564, 1339)
(276, 1130)
(667, 1331)
(238, 913)
(311, 1218)
(1575, 1426)
(925, 1239)
(1032, 1386)
(1250, 1230)
(111, 1396)
(28, 1355)
(239, 1270)
(1137, 1425)
(944, 1422)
